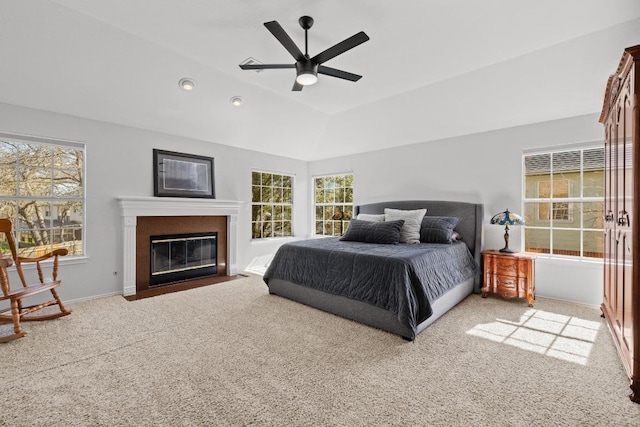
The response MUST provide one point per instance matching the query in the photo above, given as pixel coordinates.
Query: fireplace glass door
(178, 257)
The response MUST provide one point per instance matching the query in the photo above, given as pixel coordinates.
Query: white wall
(119, 163)
(481, 168)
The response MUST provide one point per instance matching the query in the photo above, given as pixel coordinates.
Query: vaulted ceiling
(431, 70)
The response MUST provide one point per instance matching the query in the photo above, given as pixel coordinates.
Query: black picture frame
(183, 175)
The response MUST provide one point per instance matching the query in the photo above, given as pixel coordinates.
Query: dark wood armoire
(621, 296)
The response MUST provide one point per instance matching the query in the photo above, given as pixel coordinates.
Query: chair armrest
(54, 254)
(57, 252)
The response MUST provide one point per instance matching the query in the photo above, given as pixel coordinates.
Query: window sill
(61, 261)
(273, 239)
(551, 259)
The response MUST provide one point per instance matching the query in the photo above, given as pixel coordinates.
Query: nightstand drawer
(509, 287)
(507, 267)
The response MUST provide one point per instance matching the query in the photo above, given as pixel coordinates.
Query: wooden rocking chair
(18, 310)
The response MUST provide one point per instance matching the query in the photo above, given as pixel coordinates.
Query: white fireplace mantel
(133, 207)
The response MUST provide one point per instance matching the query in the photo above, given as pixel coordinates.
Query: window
(272, 205)
(564, 202)
(333, 203)
(42, 193)
(560, 211)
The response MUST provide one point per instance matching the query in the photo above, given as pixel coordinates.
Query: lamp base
(506, 249)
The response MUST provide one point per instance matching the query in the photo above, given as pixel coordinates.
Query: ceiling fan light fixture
(186, 83)
(306, 78)
(306, 73)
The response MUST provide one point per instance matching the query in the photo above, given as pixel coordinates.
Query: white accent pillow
(410, 232)
(371, 217)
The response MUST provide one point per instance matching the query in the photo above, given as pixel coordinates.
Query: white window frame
(581, 199)
(292, 176)
(53, 142)
(314, 204)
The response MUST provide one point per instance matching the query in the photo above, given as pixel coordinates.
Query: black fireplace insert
(176, 257)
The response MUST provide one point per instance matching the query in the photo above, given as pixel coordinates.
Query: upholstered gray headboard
(471, 216)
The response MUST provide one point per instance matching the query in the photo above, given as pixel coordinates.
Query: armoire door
(609, 294)
(626, 213)
(620, 235)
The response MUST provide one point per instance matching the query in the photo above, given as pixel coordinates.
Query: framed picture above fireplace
(182, 175)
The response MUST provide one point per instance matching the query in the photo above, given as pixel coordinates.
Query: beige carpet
(231, 354)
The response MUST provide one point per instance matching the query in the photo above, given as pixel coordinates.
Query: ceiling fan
(307, 69)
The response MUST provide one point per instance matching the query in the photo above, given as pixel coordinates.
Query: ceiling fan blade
(284, 39)
(265, 66)
(297, 87)
(328, 71)
(341, 47)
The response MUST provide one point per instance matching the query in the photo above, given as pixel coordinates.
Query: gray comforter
(401, 278)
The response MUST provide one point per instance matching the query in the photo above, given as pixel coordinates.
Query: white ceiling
(432, 69)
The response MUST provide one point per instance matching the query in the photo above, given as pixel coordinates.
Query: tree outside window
(559, 210)
(272, 205)
(42, 193)
(333, 204)
(564, 202)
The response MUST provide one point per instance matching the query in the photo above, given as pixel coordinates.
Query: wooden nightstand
(510, 275)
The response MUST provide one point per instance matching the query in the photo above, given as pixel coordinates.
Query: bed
(401, 288)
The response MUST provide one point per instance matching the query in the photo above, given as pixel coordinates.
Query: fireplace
(143, 217)
(176, 257)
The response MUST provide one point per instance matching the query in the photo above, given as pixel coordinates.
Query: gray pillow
(387, 232)
(412, 218)
(371, 217)
(438, 229)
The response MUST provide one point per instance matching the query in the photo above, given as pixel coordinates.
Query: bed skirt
(367, 313)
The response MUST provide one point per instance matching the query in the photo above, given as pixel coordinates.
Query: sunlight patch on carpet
(555, 335)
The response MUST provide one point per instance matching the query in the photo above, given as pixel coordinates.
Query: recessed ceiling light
(186, 84)
(236, 101)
